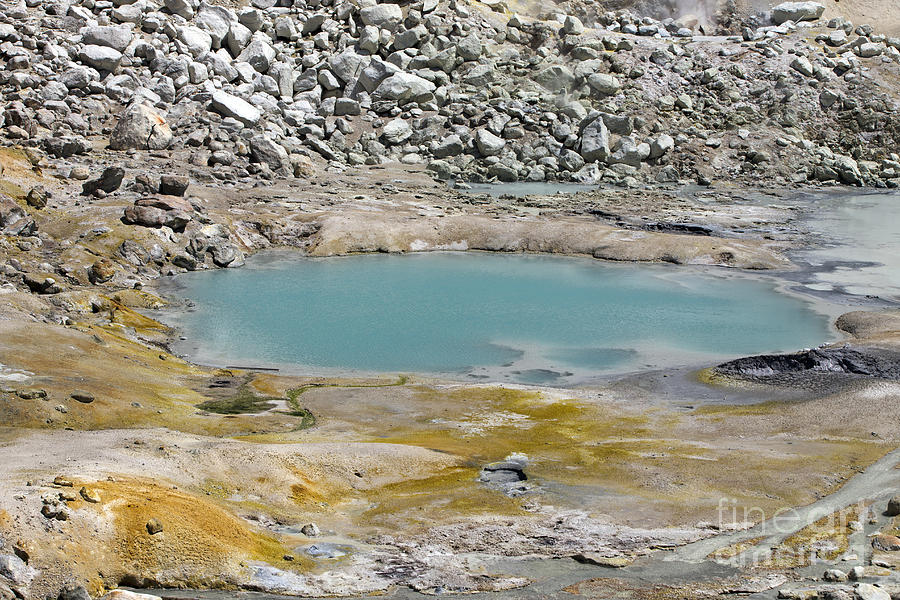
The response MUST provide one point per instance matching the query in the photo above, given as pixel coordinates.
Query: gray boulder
(797, 11)
(376, 72)
(447, 147)
(469, 48)
(604, 84)
(116, 37)
(258, 54)
(573, 26)
(102, 58)
(182, 8)
(488, 143)
(403, 87)
(595, 141)
(630, 153)
(159, 211)
(348, 65)
(196, 41)
(264, 150)
(140, 127)
(383, 16)
(13, 219)
(215, 20)
(78, 78)
(661, 144)
(396, 132)
(802, 66)
(16, 570)
(231, 106)
(555, 78)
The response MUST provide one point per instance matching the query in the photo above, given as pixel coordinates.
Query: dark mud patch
(802, 367)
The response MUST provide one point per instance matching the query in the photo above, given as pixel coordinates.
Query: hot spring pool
(517, 318)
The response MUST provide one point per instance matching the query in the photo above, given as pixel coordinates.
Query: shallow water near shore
(483, 317)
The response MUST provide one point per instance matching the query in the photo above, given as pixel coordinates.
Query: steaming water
(518, 318)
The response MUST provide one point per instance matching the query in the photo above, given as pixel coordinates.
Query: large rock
(447, 147)
(403, 87)
(140, 127)
(630, 153)
(215, 20)
(595, 141)
(196, 41)
(660, 145)
(101, 58)
(488, 143)
(886, 543)
(13, 218)
(78, 78)
(396, 132)
(182, 8)
(376, 72)
(126, 595)
(797, 11)
(867, 591)
(108, 182)
(231, 106)
(116, 37)
(16, 571)
(556, 78)
(604, 84)
(383, 16)
(264, 150)
(348, 65)
(893, 507)
(159, 211)
(173, 185)
(258, 54)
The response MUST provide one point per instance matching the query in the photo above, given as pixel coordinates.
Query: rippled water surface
(521, 318)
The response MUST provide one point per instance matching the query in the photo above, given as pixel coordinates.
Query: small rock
(101, 271)
(63, 481)
(82, 396)
(310, 530)
(90, 495)
(108, 182)
(834, 575)
(594, 558)
(73, 592)
(37, 197)
(154, 526)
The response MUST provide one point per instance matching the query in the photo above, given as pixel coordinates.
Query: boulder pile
(467, 88)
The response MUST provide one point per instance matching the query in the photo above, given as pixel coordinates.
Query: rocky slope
(470, 90)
